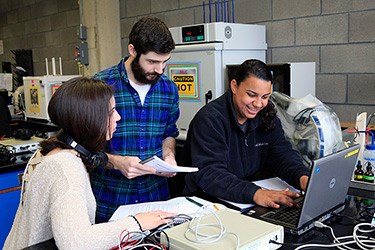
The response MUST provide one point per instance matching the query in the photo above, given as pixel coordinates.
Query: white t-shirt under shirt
(141, 89)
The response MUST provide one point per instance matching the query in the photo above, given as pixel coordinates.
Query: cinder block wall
(338, 35)
(47, 27)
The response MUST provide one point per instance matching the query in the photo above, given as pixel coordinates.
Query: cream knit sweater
(57, 202)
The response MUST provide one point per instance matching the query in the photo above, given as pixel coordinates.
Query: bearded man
(147, 102)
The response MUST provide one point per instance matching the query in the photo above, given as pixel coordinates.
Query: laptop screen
(329, 182)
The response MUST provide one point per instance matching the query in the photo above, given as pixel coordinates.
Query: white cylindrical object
(60, 65)
(369, 157)
(53, 66)
(11, 109)
(47, 66)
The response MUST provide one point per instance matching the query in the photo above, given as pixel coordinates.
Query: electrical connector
(319, 224)
(373, 221)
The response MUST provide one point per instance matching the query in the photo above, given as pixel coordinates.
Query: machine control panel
(231, 35)
(193, 33)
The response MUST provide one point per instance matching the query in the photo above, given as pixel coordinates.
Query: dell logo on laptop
(332, 183)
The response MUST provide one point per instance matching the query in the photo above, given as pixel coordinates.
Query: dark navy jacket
(227, 157)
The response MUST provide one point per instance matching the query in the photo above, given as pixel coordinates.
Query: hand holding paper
(162, 166)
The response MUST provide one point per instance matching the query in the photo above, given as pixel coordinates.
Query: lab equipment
(358, 173)
(369, 156)
(198, 64)
(312, 127)
(295, 79)
(38, 91)
(369, 175)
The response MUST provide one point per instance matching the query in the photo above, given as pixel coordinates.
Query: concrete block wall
(338, 35)
(48, 27)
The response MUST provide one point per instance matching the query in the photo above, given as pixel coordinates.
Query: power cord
(362, 241)
(195, 225)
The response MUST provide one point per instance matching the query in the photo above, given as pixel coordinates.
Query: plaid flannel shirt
(140, 132)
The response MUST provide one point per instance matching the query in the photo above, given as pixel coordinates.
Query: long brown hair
(80, 107)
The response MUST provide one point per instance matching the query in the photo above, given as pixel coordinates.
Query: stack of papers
(179, 205)
(162, 166)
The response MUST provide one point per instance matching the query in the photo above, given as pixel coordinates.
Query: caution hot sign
(185, 84)
(186, 77)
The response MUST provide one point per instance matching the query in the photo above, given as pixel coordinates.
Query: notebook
(325, 193)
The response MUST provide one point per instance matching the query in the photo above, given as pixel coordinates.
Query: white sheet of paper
(162, 166)
(274, 183)
(6, 81)
(177, 205)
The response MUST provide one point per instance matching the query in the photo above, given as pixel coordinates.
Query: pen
(193, 201)
(216, 207)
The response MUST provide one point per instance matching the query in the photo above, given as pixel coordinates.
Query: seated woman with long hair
(56, 197)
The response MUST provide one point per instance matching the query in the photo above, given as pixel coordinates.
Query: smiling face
(250, 97)
(113, 118)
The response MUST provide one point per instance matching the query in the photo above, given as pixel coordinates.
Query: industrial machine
(199, 63)
(38, 92)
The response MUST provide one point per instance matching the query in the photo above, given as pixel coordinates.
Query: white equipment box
(38, 92)
(199, 63)
(253, 233)
(295, 79)
(22, 146)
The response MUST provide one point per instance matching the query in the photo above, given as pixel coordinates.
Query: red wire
(161, 244)
(122, 244)
(354, 130)
(125, 230)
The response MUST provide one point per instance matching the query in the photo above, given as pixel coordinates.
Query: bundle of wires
(134, 240)
(145, 240)
(362, 238)
(195, 225)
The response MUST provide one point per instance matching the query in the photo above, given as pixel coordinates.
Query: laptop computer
(325, 193)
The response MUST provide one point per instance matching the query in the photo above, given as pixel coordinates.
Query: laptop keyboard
(288, 215)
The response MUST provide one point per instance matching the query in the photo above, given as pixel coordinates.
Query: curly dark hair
(80, 107)
(151, 34)
(259, 70)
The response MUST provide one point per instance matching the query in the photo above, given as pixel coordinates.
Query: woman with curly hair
(235, 136)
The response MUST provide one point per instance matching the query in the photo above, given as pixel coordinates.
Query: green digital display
(193, 33)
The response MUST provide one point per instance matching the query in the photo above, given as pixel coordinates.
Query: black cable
(286, 244)
(7, 155)
(166, 236)
(360, 219)
(300, 117)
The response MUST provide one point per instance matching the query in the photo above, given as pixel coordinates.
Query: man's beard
(140, 75)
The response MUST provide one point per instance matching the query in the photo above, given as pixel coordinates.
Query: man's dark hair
(259, 70)
(151, 34)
